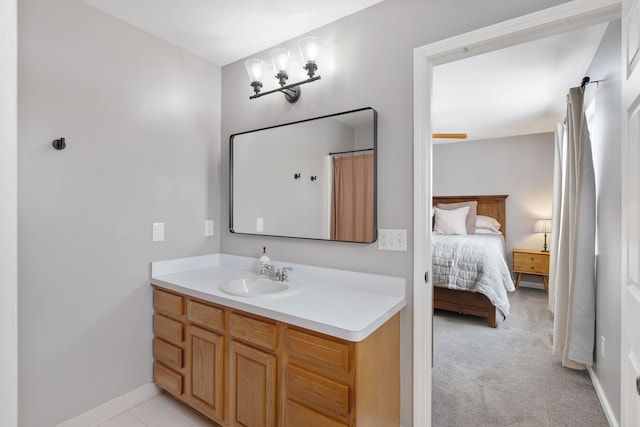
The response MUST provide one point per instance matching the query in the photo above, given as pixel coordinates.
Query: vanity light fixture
(309, 49)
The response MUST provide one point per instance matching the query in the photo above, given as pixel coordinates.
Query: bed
(490, 276)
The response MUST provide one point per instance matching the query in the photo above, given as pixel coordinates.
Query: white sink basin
(259, 287)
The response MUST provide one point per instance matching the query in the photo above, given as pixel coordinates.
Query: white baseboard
(113, 407)
(603, 398)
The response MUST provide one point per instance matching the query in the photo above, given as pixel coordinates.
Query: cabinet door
(206, 377)
(252, 387)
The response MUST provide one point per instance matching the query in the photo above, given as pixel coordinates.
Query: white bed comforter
(473, 263)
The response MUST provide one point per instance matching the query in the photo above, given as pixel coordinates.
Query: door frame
(8, 214)
(565, 17)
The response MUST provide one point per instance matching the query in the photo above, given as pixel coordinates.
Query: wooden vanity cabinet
(168, 341)
(253, 370)
(205, 356)
(239, 369)
(189, 352)
(336, 383)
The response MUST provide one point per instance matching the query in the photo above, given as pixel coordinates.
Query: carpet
(507, 376)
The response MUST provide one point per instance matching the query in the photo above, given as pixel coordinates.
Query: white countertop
(344, 304)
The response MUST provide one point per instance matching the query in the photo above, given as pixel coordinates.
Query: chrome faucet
(275, 274)
(284, 276)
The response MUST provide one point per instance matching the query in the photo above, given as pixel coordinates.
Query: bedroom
(522, 167)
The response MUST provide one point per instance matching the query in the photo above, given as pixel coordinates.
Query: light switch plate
(158, 232)
(208, 228)
(392, 240)
(259, 225)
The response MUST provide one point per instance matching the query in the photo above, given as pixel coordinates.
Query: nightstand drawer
(530, 263)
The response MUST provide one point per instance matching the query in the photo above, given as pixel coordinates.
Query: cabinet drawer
(165, 301)
(534, 263)
(205, 315)
(318, 354)
(253, 331)
(166, 353)
(168, 329)
(297, 415)
(318, 393)
(167, 379)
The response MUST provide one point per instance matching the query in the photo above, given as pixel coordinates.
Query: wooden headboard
(493, 206)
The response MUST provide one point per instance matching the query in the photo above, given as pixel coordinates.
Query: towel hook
(59, 144)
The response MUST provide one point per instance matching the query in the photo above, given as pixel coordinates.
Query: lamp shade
(542, 226)
(309, 49)
(254, 69)
(280, 58)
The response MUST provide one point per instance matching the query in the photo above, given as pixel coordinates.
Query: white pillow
(487, 223)
(451, 221)
(485, 231)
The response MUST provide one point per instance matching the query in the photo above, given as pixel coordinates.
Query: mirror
(311, 179)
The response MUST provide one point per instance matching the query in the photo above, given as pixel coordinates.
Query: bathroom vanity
(325, 355)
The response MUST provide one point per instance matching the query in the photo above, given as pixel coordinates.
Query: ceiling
(224, 31)
(519, 90)
(514, 91)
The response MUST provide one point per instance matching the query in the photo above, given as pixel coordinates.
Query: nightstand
(527, 261)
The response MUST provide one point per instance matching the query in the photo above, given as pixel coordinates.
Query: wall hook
(59, 144)
(296, 176)
(313, 178)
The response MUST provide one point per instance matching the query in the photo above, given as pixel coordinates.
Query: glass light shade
(254, 69)
(309, 49)
(542, 226)
(280, 58)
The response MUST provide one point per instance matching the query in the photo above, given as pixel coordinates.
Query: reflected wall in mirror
(312, 179)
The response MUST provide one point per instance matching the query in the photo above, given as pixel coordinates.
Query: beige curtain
(352, 210)
(572, 271)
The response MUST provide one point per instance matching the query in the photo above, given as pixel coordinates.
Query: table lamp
(543, 226)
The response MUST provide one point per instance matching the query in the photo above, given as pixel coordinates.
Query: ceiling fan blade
(449, 136)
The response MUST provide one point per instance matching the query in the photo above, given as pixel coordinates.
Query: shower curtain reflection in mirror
(352, 216)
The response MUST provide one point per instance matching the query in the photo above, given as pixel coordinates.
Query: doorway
(551, 21)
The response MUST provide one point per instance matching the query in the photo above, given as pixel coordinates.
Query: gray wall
(607, 160)
(521, 167)
(141, 119)
(367, 61)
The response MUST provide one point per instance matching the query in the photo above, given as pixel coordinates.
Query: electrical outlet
(603, 341)
(208, 228)
(259, 225)
(392, 240)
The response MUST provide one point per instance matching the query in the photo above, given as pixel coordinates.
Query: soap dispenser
(264, 259)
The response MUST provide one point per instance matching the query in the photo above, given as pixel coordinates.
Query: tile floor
(161, 411)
